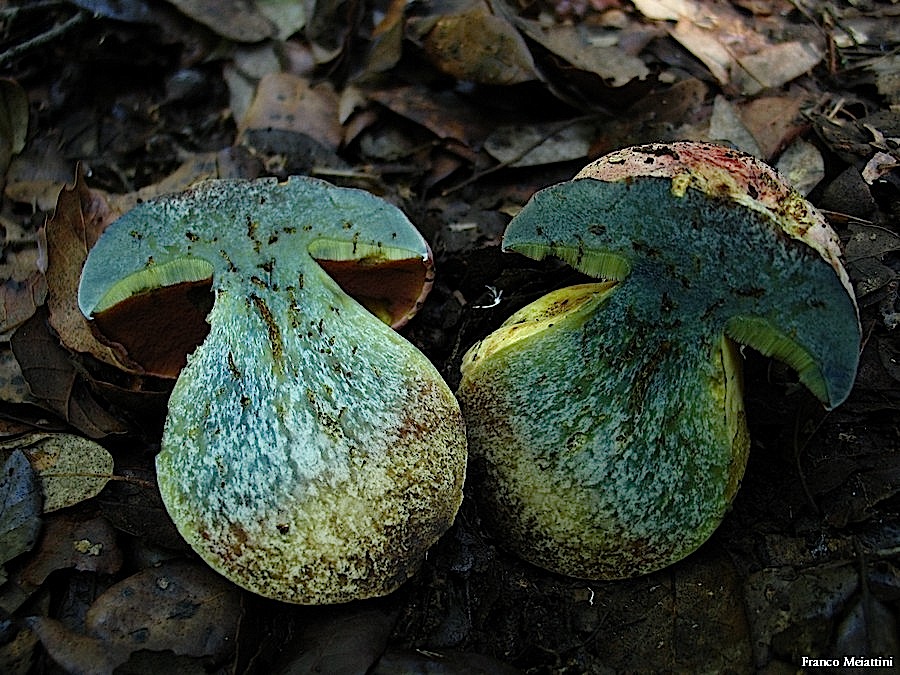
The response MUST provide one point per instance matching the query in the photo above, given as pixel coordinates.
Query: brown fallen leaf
(577, 45)
(20, 509)
(736, 53)
(13, 121)
(76, 653)
(81, 215)
(287, 102)
(56, 384)
(36, 175)
(346, 638)
(536, 144)
(444, 113)
(18, 301)
(70, 468)
(68, 542)
(387, 39)
(180, 606)
(477, 46)
(773, 66)
(236, 20)
(775, 121)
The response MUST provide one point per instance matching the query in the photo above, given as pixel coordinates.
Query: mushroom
(310, 453)
(606, 420)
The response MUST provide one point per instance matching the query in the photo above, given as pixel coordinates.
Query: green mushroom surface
(606, 420)
(310, 453)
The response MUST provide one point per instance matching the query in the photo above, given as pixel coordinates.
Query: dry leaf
(70, 468)
(703, 44)
(870, 627)
(287, 16)
(387, 39)
(36, 175)
(179, 606)
(576, 44)
(531, 145)
(236, 20)
(446, 115)
(342, 639)
(866, 256)
(77, 653)
(787, 606)
(54, 381)
(729, 46)
(887, 77)
(80, 217)
(880, 165)
(13, 388)
(286, 102)
(85, 545)
(803, 165)
(20, 509)
(18, 301)
(13, 121)
(665, 10)
(773, 66)
(477, 46)
(725, 125)
(774, 121)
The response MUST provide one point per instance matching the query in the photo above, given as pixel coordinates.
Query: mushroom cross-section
(310, 453)
(606, 420)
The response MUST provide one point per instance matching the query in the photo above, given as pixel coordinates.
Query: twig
(559, 128)
(43, 38)
(35, 5)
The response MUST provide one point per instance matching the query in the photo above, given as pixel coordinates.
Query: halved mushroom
(310, 453)
(607, 419)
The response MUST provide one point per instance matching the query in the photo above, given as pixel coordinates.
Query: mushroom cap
(720, 171)
(606, 422)
(310, 453)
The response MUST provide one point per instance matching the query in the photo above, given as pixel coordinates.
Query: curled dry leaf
(55, 382)
(81, 215)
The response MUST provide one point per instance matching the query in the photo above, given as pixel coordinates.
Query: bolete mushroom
(606, 419)
(310, 453)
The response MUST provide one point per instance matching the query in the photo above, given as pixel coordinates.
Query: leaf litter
(456, 110)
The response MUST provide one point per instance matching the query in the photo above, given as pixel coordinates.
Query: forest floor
(456, 111)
